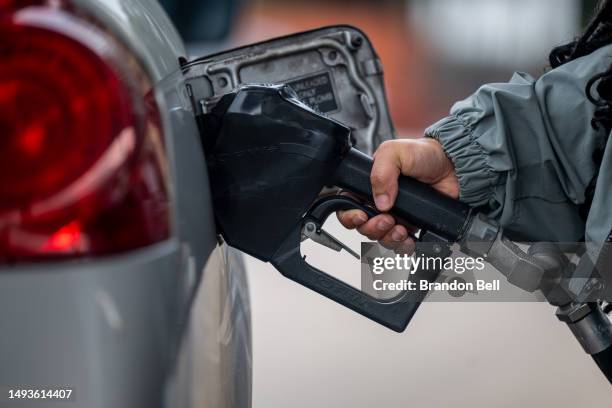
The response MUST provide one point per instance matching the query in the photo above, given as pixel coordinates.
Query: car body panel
(108, 328)
(118, 328)
(219, 340)
(144, 27)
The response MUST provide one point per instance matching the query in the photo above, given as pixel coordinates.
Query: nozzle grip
(417, 203)
(394, 314)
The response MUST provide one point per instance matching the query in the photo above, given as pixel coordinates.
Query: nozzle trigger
(318, 213)
(320, 236)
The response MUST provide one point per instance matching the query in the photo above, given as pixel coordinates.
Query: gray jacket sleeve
(523, 150)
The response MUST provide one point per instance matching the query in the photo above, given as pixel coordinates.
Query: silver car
(113, 288)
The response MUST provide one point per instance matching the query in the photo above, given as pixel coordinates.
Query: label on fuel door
(316, 91)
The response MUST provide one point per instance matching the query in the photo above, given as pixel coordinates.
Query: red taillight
(82, 163)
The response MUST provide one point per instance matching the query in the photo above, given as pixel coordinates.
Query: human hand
(423, 159)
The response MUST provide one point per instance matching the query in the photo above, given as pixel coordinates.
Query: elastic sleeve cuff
(476, 177)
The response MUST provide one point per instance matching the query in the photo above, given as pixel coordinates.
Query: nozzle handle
(417, 203)
(393, 313)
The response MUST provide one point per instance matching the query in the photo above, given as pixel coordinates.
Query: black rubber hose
(604, 361)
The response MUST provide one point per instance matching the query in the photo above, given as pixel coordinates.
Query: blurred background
(434, 52)
(311, 352)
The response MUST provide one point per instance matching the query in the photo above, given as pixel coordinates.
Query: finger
(395, 237)
(386, 169)
(412, 229)
(377, 227)
(352, 218)
(350, 194)
(406, 247)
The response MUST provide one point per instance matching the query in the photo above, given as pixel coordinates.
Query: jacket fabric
(523, 152)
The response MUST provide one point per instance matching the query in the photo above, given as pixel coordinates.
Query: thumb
(386, 169)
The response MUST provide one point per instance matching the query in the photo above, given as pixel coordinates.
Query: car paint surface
(118, 329)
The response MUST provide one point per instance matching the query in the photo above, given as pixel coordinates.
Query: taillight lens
(82, 162)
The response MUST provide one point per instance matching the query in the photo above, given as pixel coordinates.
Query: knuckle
(383, 146)
(368, 233)
(346, 223)
(377, 177)
(388, 244)
(369, 236)
(386, 145)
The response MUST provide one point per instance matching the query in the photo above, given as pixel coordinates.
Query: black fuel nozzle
(269, 156)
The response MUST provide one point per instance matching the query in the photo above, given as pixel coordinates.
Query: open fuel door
(334, 70)
(281, 122)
